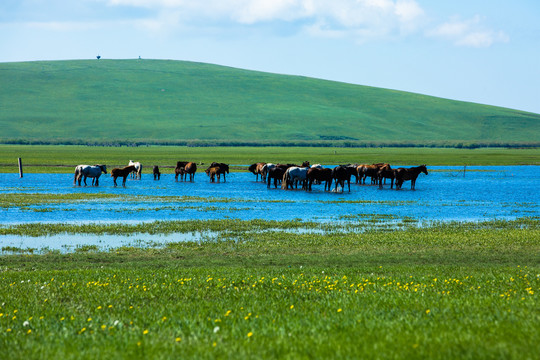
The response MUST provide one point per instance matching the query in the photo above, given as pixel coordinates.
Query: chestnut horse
(216, 171)
(386, 172)
(403, 174)
(256, 169)
(123, 172)
(184, 168)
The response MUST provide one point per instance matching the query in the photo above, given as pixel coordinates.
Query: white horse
(88, 171)
(138, 168)
(293, 175)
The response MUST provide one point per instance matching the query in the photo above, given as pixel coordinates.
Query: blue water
(446, 194)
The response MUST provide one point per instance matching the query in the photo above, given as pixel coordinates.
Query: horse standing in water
(341, 174)
(157, 174)
(138, 169)
(123, 172)
(87, 171)
(256, 169)
(403, 174)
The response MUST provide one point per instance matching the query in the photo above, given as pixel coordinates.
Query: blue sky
(480, 51)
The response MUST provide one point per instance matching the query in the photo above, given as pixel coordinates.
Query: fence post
(20, 168)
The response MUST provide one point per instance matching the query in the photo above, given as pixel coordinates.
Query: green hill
(169, 102)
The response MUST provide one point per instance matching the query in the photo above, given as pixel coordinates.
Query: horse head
(423, 168)
(103, 168)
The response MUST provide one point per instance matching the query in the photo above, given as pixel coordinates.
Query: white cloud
(470, 33)
(360, 18)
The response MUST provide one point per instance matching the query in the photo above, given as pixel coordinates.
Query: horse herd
(286, 175)
(289, 175)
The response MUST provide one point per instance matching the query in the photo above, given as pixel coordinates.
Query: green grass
(63, 159)
(155, 101)
(444, 292)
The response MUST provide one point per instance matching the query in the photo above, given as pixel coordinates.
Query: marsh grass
(261, 289)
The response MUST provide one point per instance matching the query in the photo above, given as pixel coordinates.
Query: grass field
(152, 101)
(444, 292)
(52, 159)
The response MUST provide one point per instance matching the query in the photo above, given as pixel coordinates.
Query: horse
(223, 167)
(386, 172)
(87, 171)
(275, 172)
(340, 174)
(372, 171)
(319, 174)
(294, 175)
(122, 172)
(138, 169)
(403, 174)
(216, 171)
(157, 174)
(265, 169)
(256, 169)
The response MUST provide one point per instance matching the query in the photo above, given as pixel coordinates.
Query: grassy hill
(167, 102)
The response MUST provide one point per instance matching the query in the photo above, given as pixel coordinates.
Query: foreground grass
(448, 291)
(63, 159)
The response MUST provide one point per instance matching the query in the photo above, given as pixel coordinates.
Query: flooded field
(446, 194)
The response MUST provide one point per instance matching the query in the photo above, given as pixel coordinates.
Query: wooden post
(20, 168)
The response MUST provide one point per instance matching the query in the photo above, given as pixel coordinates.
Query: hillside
(159, 101)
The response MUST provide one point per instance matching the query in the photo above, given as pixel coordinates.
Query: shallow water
(446, 194)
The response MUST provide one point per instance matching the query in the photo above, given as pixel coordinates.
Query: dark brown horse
(224, 168)
(386, 172)
(319, 174)
(157, 174)
(403, 174)
(341, 174)
(123, 172)
(256, 169)
(276, 172)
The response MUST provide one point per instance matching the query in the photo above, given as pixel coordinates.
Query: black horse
(341, 174)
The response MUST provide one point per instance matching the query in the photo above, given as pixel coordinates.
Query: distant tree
(98, 57)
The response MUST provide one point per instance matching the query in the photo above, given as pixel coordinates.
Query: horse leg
(124, 181)
(349, 182)
(114, 180)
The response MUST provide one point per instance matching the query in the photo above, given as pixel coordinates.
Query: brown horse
(319, 174)
(368, 170)
(341, 174)
(123, 172)
(256, 169)
(403, 174)
(184, 168)
(386, 172)
(216, 171)
(223, 167)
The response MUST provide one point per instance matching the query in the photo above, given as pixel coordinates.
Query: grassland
(175, 102)
(63, 159)
(444, 292)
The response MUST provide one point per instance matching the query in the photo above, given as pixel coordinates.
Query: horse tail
(76, 175)
(284, 183)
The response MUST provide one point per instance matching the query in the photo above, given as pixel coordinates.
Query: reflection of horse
(216, 171)
(403, 174)
(123, 172)
(294, 175)
(341, 174)
(319, 174)
(256, 169)
(386, 172)
(184, 168)
(86, 171)
(157, 174)
(138, 169)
